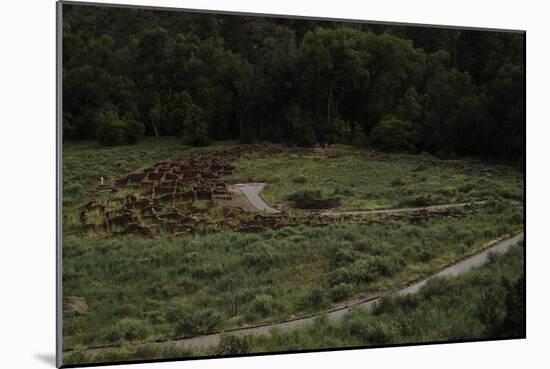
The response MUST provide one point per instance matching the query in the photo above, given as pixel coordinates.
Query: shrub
(206, 271)
(299, 179)
(381, 332)
(151, 351)
(73, 190)
(312, 199)
(467, 187)
(342, 257)
(360, 272)
(371, 331)
(316, 298)
(338, 131)
(134, 131)
(234, 345)
(386, 265)
(393, 134)
(339, 191)
(420, 168)
(448, 191)
(514, 218)
(420, 200)
(128, 329)
(340, 292)
(274, 179)
(111, 130)
(360, 138)
(425, 255)
(114, 130)
(261, 259)
(195, 133)
(305, 195)
(497, 205)
(400, 181)
(188, 320)
(263, 306)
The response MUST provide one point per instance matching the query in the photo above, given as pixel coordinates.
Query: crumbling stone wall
(163, 199)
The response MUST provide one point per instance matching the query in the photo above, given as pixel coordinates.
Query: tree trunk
(155, 128)
(329, 103)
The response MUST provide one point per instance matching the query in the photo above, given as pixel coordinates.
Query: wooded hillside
(204, 77)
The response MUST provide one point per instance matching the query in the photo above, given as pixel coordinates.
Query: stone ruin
(174, 185)
(177, 197)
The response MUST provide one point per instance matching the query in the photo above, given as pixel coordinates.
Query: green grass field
(362, 184)
(483, 303)
(141, 289)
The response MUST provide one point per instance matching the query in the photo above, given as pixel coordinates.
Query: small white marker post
(101, 179)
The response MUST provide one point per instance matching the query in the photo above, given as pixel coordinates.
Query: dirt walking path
(336, 314)
(401, 210)
(252, 191)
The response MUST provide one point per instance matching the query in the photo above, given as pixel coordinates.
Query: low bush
(305, 195)
(393, 134)
(360, 272)
(466, 187)
(274, 179)
(341, 191)
(359, 138)
(448, 191)
(128, 329)
(339, 131)
(420, 168)
(234, 344)
(263, 306)
(316, 299)
(196, 133)
(261, 259)
(115, 130)
(419, 200)
(134, 130)
(342, 256)
(340, 292)
(73, 190)
(188, 320)
(400, 181)
(388, 265)
(299, 179)
(312, 199)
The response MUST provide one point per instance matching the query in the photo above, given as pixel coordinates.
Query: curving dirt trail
(459, 268)
(401, 210)
(252, 191)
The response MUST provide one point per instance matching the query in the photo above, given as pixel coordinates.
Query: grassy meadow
(143, 289)
(483, 303)
(361, 183)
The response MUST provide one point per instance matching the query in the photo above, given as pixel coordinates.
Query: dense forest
(204, 77)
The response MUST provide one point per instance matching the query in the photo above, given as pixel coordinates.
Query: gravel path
(251, 191)
(336, 314)
(400, 210)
